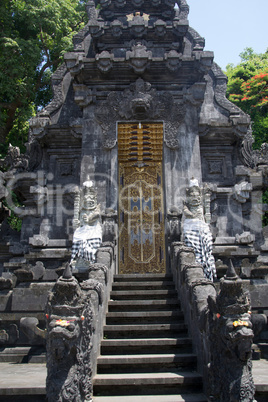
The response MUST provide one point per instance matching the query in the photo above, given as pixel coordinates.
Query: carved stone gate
(141, 220)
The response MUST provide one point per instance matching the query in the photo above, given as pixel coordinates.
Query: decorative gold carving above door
(141, 221)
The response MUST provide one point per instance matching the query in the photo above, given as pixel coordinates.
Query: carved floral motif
(141, 102)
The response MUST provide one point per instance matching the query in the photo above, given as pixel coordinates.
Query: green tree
(248, 88)
(34, 35)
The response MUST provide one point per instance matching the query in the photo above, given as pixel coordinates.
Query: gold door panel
(141, 222)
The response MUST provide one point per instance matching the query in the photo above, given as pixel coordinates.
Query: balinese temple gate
(138, 159)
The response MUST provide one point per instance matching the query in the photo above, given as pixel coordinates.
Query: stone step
(144, 363)
(151, 345)
(22, 382)
(143, 316)
(144, 305)
(142, 277)
(143, 331)
(143, 285)
(23, 354)
(152, 398)
(140, 294)
(160, 383)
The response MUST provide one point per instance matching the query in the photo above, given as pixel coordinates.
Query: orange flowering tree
(248, 89)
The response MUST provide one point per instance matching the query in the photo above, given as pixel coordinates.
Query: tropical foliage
(34, 35)
(248, 89)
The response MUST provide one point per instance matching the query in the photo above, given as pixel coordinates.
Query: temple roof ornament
(139, 58)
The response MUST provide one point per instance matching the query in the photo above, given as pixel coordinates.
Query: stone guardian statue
(196, 231)
(87, 236)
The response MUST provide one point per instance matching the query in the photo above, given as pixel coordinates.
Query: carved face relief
(95, 28)
(238, 336)
(138, 26)
(160, 28)
(64, 331)
(116, 27)
(141, 104)
(139, 58)
(104, 61)
(173, 60)
(194, 196)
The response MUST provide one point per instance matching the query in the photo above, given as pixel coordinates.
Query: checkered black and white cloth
(86, 241)
(198, 236)
(85, 249)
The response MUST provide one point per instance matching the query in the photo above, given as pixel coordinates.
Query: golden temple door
(141, 217)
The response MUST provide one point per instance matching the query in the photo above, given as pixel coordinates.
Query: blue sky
(229, 26)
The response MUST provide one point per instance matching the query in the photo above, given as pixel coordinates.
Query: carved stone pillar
(69, 325)
(231, 338)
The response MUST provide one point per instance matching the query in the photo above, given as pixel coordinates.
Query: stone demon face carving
(64, 332)
(90, 196)
(194, 196)
(140, 105)
(237, 334)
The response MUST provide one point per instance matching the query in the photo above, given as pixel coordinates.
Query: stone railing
(75, 314)
(194, 291)
(219, 325)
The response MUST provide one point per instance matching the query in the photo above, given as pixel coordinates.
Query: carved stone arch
(140, 102)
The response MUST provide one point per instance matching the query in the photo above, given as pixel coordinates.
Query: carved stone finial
(67, 274)
(230, 274)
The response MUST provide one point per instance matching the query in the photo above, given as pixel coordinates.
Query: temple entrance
(141, 212)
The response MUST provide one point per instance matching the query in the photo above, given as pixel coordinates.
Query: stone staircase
(146, 353)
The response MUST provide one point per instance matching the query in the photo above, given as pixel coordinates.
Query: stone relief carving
(231, 338)
(241, 191)
(173, 60)
(96, 27)
(28, 161)
(91, 10)
(183, 9)
(160, 27)
(83, 95)
(13, 160)
(141, 102)
(104, 61)
(139, 58)
(69, 327)
(198, 41)
(116, 28)
(250, 157)
(58, 96)
(245, 238)
(138, 26)
(215, 167)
